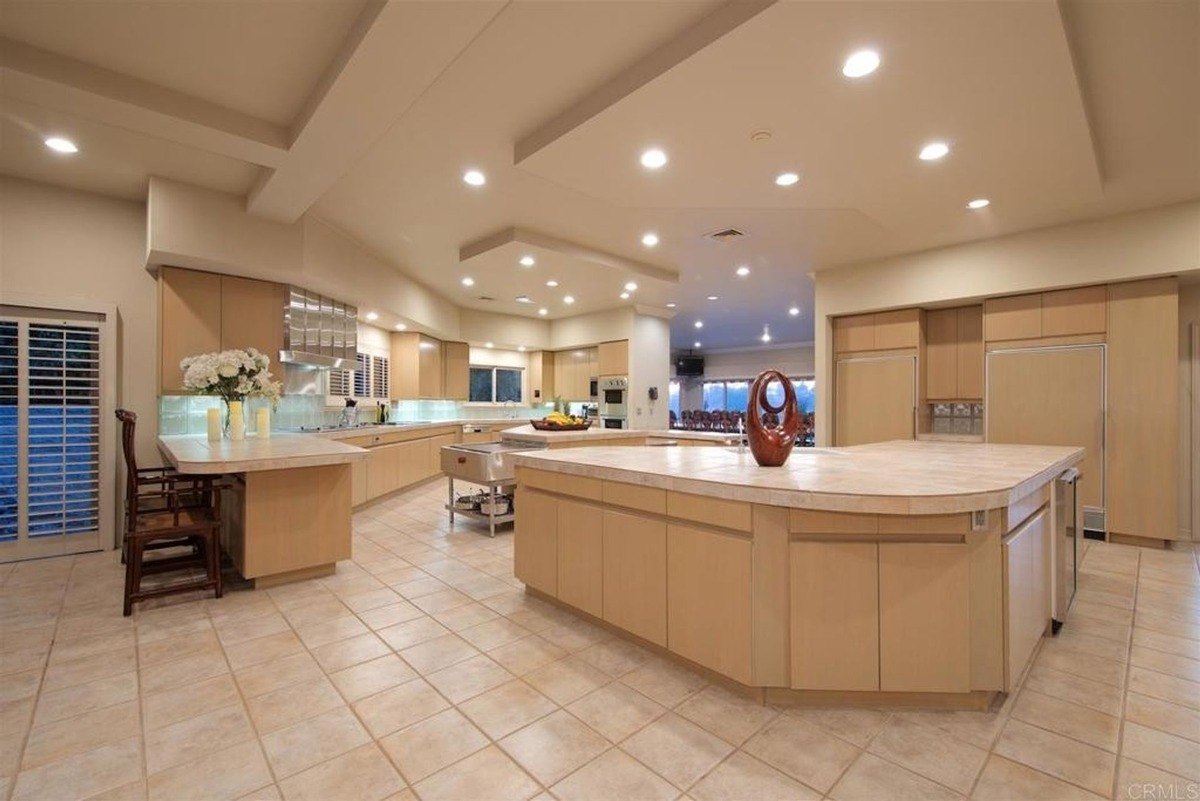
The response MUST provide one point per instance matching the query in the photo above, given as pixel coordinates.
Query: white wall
(505, 330)
(1162, 241)
(649, 366)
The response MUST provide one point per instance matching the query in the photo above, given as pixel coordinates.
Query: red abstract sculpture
(772, 445)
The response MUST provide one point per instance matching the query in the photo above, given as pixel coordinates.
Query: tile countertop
(193, 453)
(527, 433)
(902, 477)
(369, 430)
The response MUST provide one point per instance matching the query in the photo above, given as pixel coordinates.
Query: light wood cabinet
(573, 371)
(189, 321)
(252, 316)
(358, 482)
(456, 370)
(708, 599)
(580, 556)
(924, 617)
(635, 575)
(535, 548)
(541, 376)
(383, 470)
(834, 615)
(433, 455)
(874, 399)
(1016, 317)
(954, 353)
(416, 366)
(613, 358)
(1070, 312)
(1026, 554)
(1143, 408)
(892, 330)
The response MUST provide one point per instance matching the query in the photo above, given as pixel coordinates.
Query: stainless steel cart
(486, 464)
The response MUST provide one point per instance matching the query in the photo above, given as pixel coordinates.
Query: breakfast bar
(899, 573)
(286, 515)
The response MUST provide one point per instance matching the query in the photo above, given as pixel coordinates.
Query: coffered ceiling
(367, 114)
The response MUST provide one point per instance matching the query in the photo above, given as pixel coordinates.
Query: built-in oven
(593, 387)
(614, 397)
(614, 422)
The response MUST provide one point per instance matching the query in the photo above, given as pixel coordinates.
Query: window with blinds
(362, 376)
(368, 380)
(380, 375)
(8, 432)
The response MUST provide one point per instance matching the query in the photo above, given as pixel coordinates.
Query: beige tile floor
(420, 670)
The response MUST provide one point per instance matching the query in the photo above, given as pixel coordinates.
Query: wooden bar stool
(167, 510)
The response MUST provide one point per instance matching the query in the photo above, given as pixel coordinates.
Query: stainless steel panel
(483, 463)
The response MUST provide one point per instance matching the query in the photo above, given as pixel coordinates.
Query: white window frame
(376, 393)
(493, 401)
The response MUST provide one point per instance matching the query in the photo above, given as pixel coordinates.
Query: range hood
(319, 331)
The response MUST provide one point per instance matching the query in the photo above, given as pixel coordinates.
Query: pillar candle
(262, 422)
(214, 425)
(237, 421)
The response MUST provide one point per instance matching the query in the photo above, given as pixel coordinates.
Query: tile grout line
(1116, 780)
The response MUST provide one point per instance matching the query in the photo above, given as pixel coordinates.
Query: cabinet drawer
(1075, 311)
(710, 511)
(1018, 317)
(633, 496)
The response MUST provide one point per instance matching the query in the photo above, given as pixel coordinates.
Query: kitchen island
(894, 573)
(615, 436)
(287, 514)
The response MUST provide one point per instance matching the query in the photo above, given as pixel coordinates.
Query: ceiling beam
(691, 41)
(392, 55)
(52, 81)
(564, 247)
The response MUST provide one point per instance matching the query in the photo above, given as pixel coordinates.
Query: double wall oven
(614, 401)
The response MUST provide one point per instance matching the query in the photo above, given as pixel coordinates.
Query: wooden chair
(165, 509)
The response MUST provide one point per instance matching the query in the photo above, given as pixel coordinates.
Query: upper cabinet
(541, 376)
(573, 372)
(203, 312)
(894, 330)
(1066, 312)
(416, 367)
(456, 370)
(613, 358)
(954, 353)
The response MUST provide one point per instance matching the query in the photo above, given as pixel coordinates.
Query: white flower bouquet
(232, 374)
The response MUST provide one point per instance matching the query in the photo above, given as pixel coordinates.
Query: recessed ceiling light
(699, 323)
(714, 297)
(372, 316)
(794, 311)
(568, 299)
(650, 239)
(742, 271)
(543, 311)
(979, 203)
(521, 348)
(695, 344)
(527, 261)
(766, 337)
(60, 145)
(524, 299)
(934, 151)
(468, 281)
(653, 159)
(401, 326)
(672, 305)
(786, 179)
(631, 286)
(861, 63)
(474, 178)
(552, 283)
(624, 296)
(490, 344)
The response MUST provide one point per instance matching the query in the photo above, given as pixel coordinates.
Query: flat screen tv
(689, 365)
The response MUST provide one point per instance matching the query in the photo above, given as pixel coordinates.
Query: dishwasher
(1067, 533)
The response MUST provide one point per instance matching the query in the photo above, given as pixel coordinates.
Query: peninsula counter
(287, 516)
(902, 572)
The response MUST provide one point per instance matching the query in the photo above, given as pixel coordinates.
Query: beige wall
(505, 330)
(649, 366)
(588, 329)
(65, 244)
(796, 361)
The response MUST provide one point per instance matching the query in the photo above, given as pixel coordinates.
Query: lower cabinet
(635, 575)
(924, 617)
(580, 556)
(383, 470)
(535, 540)
(358, 482)
(834, 615)
(708, 595)
(1026, 592)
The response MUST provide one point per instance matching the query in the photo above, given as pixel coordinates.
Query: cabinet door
(382, 470)
(897, 329)
(251, 316)
(456, 370)
(430, 366)
(535, 540)
(580, 556)
(854, 333)
(941, 354)
(834, 615)
(549, 377)
(405, 367)
(358, 482)
(1017, 317)
(635, 575)
(189, 321)
(924, 618)
(1075, 311)
(412, 462)
(970, 353)
(874, 400)
(434, 465)
(708, 599)
(1026, 592)
(613, 358)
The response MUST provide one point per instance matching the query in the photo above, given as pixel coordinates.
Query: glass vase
(235, 421)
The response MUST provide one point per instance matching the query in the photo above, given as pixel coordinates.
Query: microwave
(614, 396)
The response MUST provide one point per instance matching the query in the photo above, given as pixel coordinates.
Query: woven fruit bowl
(542, 425)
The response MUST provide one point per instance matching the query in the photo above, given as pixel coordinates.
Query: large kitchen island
(286, 515)
(894, 573)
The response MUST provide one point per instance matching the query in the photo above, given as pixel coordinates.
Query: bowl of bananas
(557, 421)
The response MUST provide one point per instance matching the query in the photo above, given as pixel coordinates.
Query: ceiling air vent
(725, 235)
